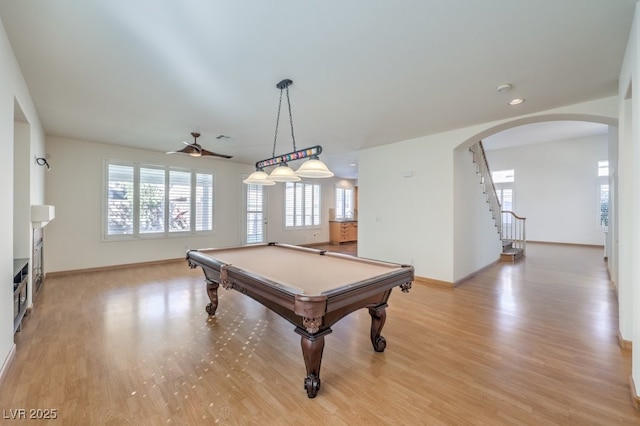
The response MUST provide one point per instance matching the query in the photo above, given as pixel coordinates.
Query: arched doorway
(548, 173)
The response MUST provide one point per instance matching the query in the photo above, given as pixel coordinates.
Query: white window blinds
(119, 200)
(302, 205)
(255, 214)
(156, 200)
(152, 190)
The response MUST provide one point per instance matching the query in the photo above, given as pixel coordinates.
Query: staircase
(510, 226)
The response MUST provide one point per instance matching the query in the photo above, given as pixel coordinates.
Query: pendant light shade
(259, 178)
(283, 173)
(314, 168)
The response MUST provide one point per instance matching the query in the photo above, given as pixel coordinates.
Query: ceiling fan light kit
(503, 88)
(195, 150)
(312, 168)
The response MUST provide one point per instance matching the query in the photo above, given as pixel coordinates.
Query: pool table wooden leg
(312, 348)
(378, 317)
(212, 292)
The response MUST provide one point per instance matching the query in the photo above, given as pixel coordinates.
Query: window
(603, 194)
(503, 181)
(344, 203)
(255, 214)
(302, 205)
(152, 190)
(156, 200)
(503, 176)
(603, 215)
(120, 200)
(603, 168)
(204, 202)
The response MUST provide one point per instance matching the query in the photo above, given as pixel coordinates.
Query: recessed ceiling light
(516, 101)
(503, 88)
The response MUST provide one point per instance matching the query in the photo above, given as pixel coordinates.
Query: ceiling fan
(195, 150)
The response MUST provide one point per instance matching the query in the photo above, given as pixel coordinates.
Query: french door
(256, 219)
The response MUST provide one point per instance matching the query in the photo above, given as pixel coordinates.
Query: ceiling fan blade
(214, 154)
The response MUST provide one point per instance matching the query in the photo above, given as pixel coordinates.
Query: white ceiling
(146, 73)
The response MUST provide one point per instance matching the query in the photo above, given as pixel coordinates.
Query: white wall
(556, 187)
(405, 200)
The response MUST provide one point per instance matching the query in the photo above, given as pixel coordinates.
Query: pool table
(311, 288)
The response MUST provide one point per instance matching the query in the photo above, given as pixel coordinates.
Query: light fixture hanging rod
(292, 156)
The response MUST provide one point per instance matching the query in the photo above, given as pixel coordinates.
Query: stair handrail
(514, 229)
(480, 159)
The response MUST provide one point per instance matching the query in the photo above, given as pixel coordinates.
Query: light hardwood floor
(531, 343)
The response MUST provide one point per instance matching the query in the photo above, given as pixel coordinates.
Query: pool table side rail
(389, 279)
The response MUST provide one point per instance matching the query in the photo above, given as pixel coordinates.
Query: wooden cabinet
(20, 288)
(343, 231)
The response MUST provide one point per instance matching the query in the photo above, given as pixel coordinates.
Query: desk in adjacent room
(312, 289)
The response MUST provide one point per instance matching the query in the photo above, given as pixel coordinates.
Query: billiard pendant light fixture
(312, 168)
